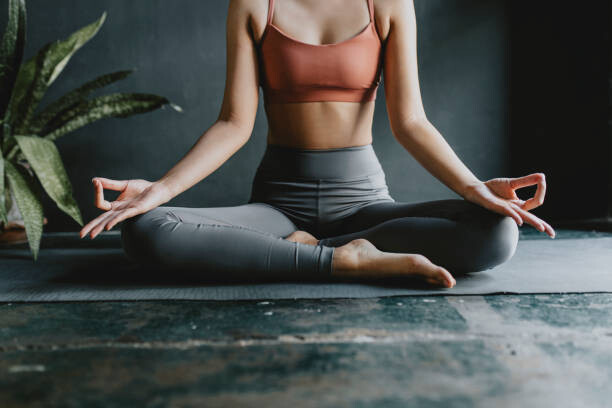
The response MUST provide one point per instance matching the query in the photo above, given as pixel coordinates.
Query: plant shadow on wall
(30, 162)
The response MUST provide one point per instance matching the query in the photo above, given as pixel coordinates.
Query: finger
(501, 207)
(120, 217)
(518, 202)
(509, 211)
(535, 221)
(117, 185)
(99, 200)
(512, 193)
(100, 226)
(531, 220)
(549, 230)
(529, 180)
(99, 223)
(516, 216)
(91, 224)
(121, 196)
(537, 199)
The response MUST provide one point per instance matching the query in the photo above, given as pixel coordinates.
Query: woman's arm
(234, 126)
(216, 145)
(418, 136)
(407, 118)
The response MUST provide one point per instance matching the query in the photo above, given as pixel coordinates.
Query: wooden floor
(433, 351)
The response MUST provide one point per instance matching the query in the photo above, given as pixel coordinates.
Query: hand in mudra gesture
(137, 197)
(499, 195)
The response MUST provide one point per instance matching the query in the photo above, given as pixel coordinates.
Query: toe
(448, 279)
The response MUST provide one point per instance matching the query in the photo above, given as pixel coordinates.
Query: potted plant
(30, 163)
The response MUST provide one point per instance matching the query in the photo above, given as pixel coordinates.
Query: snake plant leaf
(110, 99)
(47, 164)
(11, 49)
(2, 191)
(38, 73)
(21, 95)
(73, 97)
(66, 49)
(29, 204)
(106, 106)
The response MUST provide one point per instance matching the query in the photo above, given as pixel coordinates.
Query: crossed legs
(382, 239)
(456, 234)
(237, 242)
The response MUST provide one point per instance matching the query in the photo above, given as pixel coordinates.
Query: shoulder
(247, 7)
(393, 8)
(253, 13)
(250, 7)
(389, 12)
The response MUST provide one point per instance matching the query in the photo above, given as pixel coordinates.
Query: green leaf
(21, 95)
(2, 191)
(47, 164)
(73, 97)
(11, 50)
(67, 48)
(107, 106)
(112, 99)
(38, 73)
(29, 205)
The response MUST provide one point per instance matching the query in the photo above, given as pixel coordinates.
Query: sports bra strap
(270, 11)
(370, 8)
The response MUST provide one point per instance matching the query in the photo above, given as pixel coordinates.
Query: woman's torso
(310, 24)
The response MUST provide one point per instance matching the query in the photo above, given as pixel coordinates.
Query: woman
(319, 206)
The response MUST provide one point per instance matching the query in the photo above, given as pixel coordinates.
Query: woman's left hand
(499, 195)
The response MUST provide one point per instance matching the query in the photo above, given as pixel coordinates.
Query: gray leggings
(337, 195)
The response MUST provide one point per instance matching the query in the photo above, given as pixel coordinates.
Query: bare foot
(303, 237)
(361, 259)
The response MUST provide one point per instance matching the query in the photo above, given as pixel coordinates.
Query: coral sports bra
(295, 71)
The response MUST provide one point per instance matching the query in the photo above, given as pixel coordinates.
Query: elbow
(408, 128)
(241, 129)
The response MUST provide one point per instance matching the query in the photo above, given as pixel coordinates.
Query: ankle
(344, 261)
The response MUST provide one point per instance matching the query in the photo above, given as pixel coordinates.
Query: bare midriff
(320, 125)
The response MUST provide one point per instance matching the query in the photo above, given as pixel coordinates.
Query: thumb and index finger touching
(530, 180)
(100, 183)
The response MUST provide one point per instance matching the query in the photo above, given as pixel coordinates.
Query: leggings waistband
(344, 163)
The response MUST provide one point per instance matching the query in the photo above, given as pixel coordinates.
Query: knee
(141, 235)
(505, 236)
(498, 239)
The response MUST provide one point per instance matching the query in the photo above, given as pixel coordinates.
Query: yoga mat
(96, 274)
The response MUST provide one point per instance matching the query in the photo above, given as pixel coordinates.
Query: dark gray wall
(560, 103)
(179, 50)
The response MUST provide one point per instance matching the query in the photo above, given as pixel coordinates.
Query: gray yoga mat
(94, 274)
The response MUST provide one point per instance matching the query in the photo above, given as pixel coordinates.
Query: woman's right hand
(137, 197)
